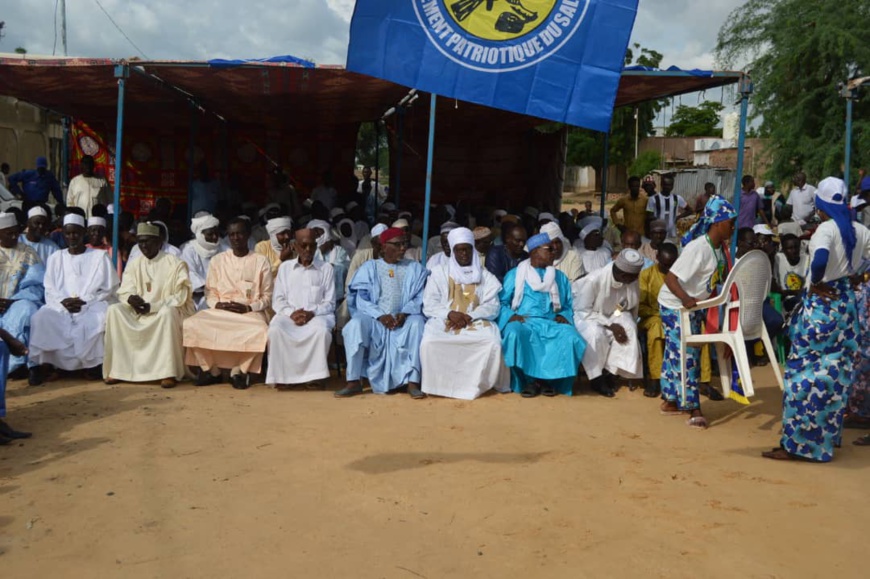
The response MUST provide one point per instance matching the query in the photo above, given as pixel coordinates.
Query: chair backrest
(751, 275)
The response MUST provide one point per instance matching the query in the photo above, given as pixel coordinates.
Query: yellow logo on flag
(499, 19)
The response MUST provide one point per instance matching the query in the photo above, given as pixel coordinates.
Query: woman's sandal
(697, 422)
(862, 440)
(670, 409)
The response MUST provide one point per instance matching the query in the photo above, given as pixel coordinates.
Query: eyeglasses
(398, 243)
(547, 248)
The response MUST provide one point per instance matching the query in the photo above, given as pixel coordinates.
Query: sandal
(531, 390)
(862, 440)
(548, 390)
(670, 409)
(697, 422)
(779, 453)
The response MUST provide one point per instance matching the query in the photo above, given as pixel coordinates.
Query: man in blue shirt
(34, 185)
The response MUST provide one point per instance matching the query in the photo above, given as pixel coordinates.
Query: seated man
(590, 247)
(143, 332)
(232, 333)
(38, 227)
(461, 302)
(503, 258)
(97, 235)
(541, 346)
(442, 256)
(382, 339)
(605, 309)
(21, 289)
(331, 252)
(651, 281)
(8, 346)
(301, 331)
(790, 271)
(279, 247)
(658, 231)
(80, 283)
(566, 259)
(198, 252)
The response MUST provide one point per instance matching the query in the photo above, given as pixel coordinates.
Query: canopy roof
(282, 93)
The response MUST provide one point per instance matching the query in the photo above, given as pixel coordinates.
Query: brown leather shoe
(168, 383)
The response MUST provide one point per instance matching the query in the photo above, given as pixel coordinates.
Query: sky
(683, 30)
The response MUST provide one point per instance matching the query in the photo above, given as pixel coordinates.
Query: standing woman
(824, 334)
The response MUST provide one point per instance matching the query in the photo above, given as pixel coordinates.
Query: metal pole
(428, 200)
(745, 88)
(64, 154)
(122, 72)
(848, 162)
(636, 130)
(605, 170)
(191, 153)
(377, 169)
(63, 26)
(400, 125)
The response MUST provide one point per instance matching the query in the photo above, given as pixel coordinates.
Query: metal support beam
(191, 157)
(377, 170)
(605, 170)
(400, 125)
(64, 153)
(122, 72)
(744, 86)
(433, 101)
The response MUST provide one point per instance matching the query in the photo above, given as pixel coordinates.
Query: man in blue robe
(382, 339)
(8, 345)
(541, 346)
(21, 290)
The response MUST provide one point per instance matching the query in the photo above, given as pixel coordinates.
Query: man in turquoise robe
(382, 339)
(541, 346)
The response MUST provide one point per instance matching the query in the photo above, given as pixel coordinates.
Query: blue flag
(555, 59)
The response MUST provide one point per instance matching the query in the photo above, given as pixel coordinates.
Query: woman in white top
(692, 278)
(821, 364)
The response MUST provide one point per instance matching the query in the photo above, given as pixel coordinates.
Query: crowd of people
(494, 301)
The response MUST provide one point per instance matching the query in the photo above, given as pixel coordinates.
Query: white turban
(8, 220)
(266, 209)
(93, 222)
(462, 274)
(326, 227)
(590, 224)
(198, 225)
(72, 219)
(448, 226)
(36, 210)
(553, 230)
(276, 226)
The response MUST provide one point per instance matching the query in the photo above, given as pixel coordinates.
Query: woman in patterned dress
(824, 334)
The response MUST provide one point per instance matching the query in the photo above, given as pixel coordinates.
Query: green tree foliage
(586, 147)
(645, 163)
(798, 51)
(368, 150)
(699, 121)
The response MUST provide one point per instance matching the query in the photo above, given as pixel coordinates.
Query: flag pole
(428, 201)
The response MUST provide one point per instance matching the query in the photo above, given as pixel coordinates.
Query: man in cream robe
(80, 283)
(143, 332)
(232, 333)
(462, 304)
(605, 312)
(86, 190)
(301, 331)
(198, 252)
(21, 289)
(279, 244)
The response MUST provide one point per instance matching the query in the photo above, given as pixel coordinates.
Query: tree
(367, 148)
(586, 147)
(699, 121)
(798, 51)
(645, 163)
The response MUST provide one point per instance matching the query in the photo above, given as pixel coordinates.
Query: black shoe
(416, 393)
(652, 389)
(6, 431)
(240, 381)
(18, 373)
(548, 390)
(349, 390)
(207, 379)
(4, 441)
(35, 376)
(601, 386)
(95, 373)
(531, 390)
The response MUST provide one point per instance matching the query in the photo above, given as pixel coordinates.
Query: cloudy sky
(683, 30)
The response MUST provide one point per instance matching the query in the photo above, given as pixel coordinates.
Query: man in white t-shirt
(790, 270)
(801, 198)
(668, 206)
(87, 190)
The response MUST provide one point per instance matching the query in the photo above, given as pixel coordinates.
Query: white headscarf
(353, 238)
(553, 230)
(326, 227)
(205, 249)
(276, 226)
(465, 275)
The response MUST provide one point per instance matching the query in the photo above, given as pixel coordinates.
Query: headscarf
(831, 198)
(462, 274)
(553, 230)
(717, 209)
(389, 234)
(276, 226)
(352, 237)
(526, 274)
(326, 227)
(203, 248)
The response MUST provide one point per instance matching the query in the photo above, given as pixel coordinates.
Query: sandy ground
(134, 481)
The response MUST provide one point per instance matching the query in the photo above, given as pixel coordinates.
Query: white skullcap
(307, 203)
(499, 213)
(203, 222)
(378, 229)
(36, 210)
(594, 226)
(459, 236)
(266, 209)
(547, 216)
(278, 224)
(73, 219)
(763, 229)
(93, 221)
(405, 215)
(336, 211)
(629, 261)
(8, 220)
(401, 223)
(448, 226)
(351, 206)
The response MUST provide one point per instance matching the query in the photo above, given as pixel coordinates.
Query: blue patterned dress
(819, 372)
(859, 397)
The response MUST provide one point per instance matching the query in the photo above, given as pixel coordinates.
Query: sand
(134, 481)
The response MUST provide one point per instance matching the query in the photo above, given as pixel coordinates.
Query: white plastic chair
(751, 275)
